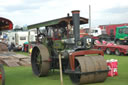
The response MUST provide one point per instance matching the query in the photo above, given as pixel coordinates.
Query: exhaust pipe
(76, 25)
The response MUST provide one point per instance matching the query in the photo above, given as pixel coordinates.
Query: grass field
(24, 53)
(24, 75)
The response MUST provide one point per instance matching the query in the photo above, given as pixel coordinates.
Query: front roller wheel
(39, 61)
(92, 69)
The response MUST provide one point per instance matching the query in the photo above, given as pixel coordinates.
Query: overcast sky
(22, 12)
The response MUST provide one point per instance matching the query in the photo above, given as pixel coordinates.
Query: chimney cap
(76, 11)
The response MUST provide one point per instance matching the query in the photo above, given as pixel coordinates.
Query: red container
(115, 67)
(110, 66)
(25, 47)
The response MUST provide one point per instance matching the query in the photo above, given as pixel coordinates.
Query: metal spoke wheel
(117, 52)
(2, 75)
(39, 57)
(38, 61)
(108, 51)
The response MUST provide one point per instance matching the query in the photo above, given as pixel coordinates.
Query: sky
(27, 12)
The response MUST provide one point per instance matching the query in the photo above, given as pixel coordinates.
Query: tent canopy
(5, 24)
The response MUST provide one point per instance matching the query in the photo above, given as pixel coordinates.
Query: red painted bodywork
(122, 48)
(5, 24)
(82, 53)
(112, 26)
(0, 76)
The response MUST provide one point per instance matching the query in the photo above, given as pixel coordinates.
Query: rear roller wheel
(39, 61)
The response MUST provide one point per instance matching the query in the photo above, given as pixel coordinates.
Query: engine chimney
(76, 23)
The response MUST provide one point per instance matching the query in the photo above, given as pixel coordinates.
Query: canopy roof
(5, 24)
(62, 22)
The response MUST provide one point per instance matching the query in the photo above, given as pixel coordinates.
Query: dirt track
(12, 59)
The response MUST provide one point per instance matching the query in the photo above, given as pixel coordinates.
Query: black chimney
(76, 23)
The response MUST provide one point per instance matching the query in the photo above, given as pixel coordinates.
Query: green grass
(23, 53)
(24, 76)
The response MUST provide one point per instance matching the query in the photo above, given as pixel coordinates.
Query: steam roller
(62, 36)
(87, 69)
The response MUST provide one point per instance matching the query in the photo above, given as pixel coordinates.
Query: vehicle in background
(111, 48)
(121, 36)
(32, 36)
(117, 33)
(17, 39)
(83, 32)
(95, 32)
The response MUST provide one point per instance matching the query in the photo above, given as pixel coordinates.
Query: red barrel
(113, 67)
(110, 66)
(115, 63)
